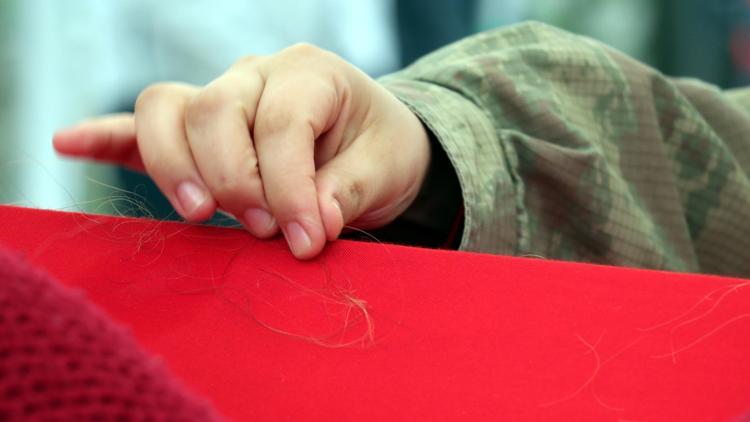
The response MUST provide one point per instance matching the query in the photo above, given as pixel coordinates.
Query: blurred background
(63, 61)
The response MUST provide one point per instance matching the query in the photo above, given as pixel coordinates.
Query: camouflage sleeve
(568, 149)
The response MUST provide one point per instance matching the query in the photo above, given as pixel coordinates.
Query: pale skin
(300, 142)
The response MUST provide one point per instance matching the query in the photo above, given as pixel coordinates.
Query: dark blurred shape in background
(426, 25)
(709, 40)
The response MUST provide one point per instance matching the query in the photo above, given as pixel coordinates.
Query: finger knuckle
(155, 93)
(274, 120)
(309, 57)
(245, 61)
(209, 102)
(303, 49)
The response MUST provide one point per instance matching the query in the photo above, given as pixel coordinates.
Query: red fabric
(62, 359)
(456, 336)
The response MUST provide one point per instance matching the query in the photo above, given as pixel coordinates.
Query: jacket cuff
(470, 142)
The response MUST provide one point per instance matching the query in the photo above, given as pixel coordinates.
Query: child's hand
(300, 140)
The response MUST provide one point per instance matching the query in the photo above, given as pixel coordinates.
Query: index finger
(110, 138)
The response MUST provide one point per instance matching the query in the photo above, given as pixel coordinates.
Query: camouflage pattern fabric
(568, 149)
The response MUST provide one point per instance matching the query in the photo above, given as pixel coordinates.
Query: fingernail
(259, 221)
(299, 241)
(191, 196)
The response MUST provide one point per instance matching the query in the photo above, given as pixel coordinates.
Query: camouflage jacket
(568, 149)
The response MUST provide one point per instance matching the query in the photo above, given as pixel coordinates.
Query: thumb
(357, 189)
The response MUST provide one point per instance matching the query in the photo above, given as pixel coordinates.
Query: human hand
(300, 141)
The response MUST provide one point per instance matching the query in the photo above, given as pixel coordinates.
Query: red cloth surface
(62, 359)
(379, 332)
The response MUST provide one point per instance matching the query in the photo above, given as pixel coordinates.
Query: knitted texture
(61, 358)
